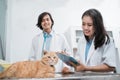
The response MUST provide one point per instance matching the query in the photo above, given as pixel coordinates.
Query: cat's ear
(45, 52)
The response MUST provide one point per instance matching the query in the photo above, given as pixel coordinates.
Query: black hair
(100, 32)
(41, 17)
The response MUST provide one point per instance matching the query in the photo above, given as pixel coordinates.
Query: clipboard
(68, 59)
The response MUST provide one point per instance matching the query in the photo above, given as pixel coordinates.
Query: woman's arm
(98, 68)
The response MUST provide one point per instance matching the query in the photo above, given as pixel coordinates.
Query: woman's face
(87, 26)
(46, 22)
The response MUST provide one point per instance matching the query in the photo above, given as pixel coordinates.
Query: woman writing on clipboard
(96, 50)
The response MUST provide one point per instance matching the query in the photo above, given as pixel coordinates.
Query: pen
(64, 50)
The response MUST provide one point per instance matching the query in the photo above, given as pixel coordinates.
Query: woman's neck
(48, 30)
(91, 37)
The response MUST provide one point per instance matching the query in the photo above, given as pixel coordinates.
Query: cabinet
(73, 34)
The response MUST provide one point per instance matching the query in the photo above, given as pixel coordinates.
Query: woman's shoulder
(111, 40)
(61, 35)
(37, 36)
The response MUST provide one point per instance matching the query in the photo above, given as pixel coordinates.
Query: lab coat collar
(50, 34)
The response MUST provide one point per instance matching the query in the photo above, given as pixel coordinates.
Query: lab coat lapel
(52, 43)
(90, 52)
(83, 50)
(40, 46)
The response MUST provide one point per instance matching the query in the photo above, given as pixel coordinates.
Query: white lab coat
(106, 54)
(58, 43)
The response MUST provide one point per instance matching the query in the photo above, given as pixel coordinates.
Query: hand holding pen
(64, 52)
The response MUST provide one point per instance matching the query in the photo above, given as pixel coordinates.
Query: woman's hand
(66, 70)
(80, 67)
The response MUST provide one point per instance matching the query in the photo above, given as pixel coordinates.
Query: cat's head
(50, 58)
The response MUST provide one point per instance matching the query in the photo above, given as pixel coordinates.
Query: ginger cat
(33, 69)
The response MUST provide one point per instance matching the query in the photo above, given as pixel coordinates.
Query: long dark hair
(100, 32)
(41, 17)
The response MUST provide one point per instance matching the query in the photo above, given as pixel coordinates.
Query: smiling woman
(48, 40)
(96, 49)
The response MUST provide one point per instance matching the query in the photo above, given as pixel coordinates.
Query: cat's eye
(48, 56)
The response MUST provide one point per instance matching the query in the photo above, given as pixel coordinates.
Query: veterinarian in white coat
(48, 40)
(96, 50)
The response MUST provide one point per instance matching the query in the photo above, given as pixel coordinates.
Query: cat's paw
(49, 75)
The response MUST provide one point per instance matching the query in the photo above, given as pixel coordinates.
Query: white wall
(2, 27)
(22, 17)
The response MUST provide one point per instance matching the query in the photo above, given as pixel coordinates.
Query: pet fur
(43, 68)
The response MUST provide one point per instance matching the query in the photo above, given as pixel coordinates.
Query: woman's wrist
(88, 68)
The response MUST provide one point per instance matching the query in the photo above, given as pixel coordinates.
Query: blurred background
(18, 20)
